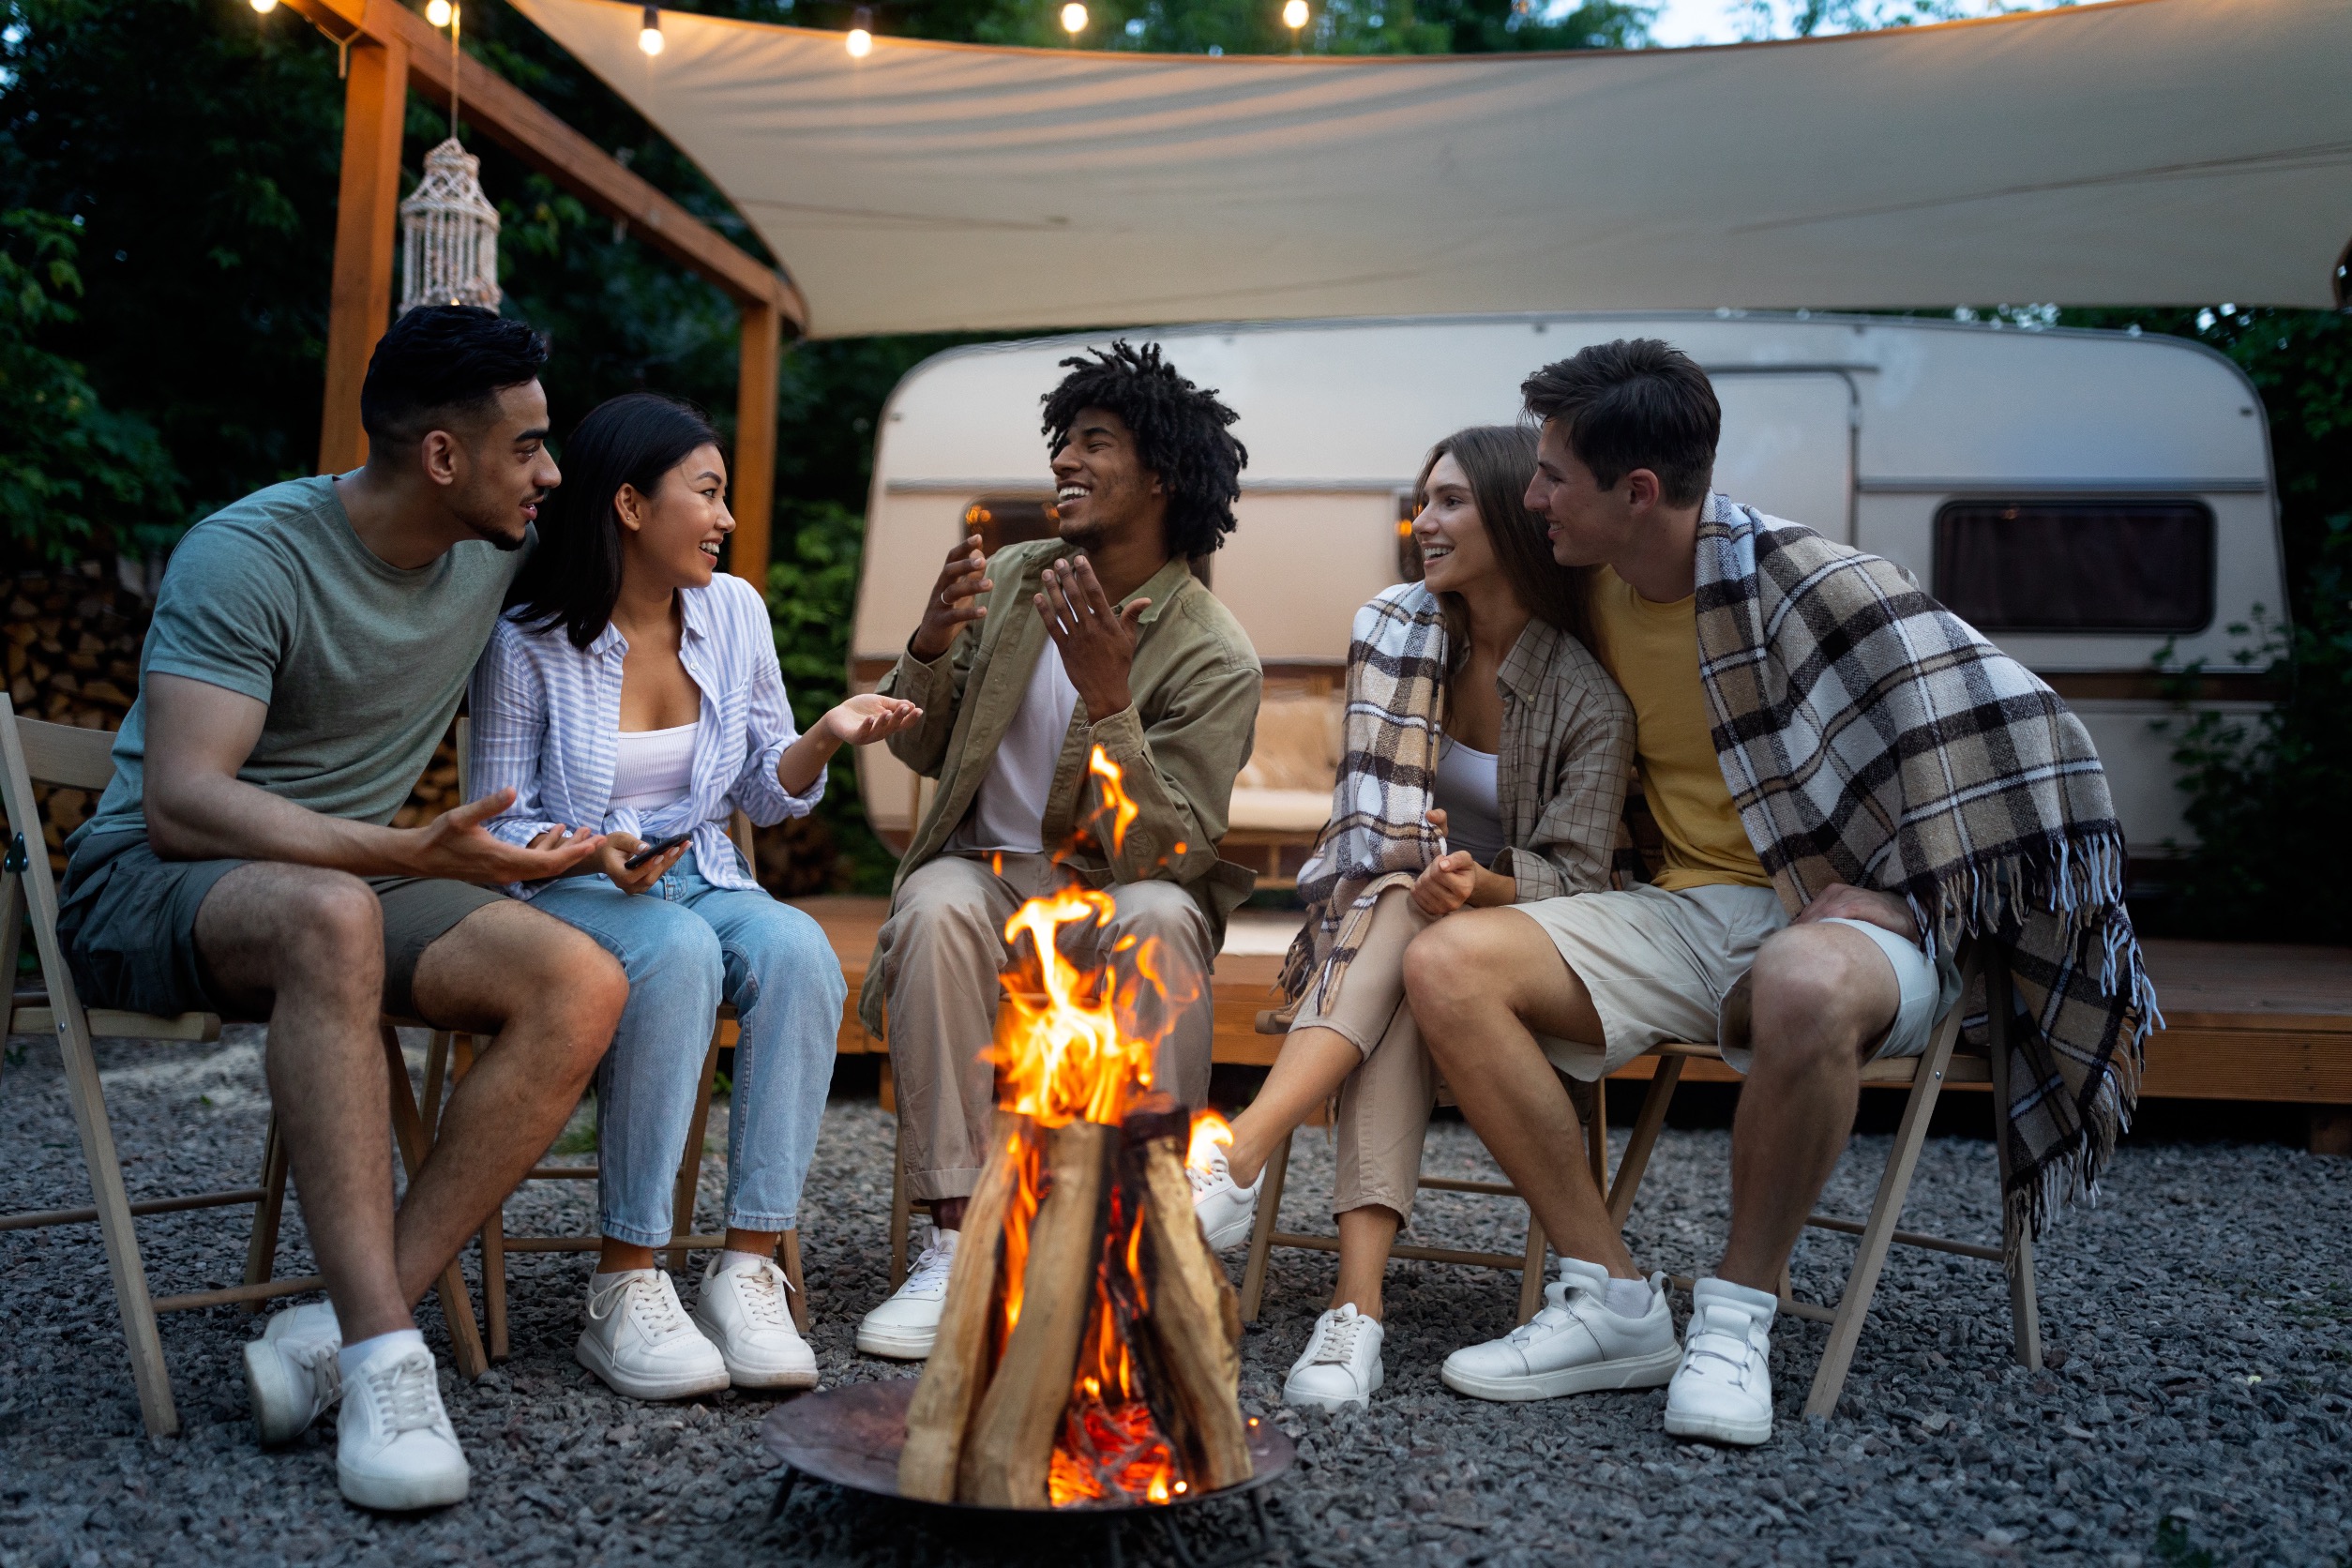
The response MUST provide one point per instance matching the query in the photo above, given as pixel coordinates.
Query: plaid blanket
(1377, 837)
(1871, 737)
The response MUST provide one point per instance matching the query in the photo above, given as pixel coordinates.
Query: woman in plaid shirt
(1487, 759)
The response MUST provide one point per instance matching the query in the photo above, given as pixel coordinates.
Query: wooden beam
(367, 208)
(755, 443)
(516, 122)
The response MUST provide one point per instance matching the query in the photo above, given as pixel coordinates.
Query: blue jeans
(687, 946)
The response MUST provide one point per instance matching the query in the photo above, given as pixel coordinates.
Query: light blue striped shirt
(547, 723)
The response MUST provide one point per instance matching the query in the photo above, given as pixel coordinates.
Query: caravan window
(2120, 564)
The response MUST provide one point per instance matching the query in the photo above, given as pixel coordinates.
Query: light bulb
(437, 12)
(1073, 18)
(861, 38)
(649, 36)
(264, 6)
(1294, 14)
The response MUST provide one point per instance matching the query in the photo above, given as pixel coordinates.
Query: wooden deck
(2243, 1021)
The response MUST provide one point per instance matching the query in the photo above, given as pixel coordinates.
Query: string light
(437, 12)
(264, 6)
(649, 32)
(861, 38)
(1073, 18)
(1294, 14)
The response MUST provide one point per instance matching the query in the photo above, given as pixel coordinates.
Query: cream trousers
(1383, 1109)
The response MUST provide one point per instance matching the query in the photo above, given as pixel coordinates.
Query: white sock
(732, 1261)
(352, 1356)
(1627, 1298)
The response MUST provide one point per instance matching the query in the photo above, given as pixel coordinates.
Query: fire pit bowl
(851, 1436)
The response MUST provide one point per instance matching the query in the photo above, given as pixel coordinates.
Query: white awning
(2144, 152)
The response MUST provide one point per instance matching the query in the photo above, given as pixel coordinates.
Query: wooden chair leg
(493, 1233)
(1596, 1134)
(436, 1070)
(261, 1252)
(147, 1369)
(900, 1208)
(1261, 1232)
(11, 926)
(1532, 1280)
(1646, 1126)
(690, 1168)
(789, 1250)
(408, 1132)
(1878, 1234)
(2024, 1306)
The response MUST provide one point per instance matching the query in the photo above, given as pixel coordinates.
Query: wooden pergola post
(754, 498)
(392, 50)
(366, 209)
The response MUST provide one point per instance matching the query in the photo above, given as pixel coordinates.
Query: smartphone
(660, 846)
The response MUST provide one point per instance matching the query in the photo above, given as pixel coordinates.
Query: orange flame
(1210, 1133)
(1123, 810)
(1061, 1052)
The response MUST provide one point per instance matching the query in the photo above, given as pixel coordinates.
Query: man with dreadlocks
(1099, 639)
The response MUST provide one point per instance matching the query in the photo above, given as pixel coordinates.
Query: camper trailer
(2086, 498)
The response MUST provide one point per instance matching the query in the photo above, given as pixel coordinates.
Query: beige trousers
(1383, 1108)
(941, 950)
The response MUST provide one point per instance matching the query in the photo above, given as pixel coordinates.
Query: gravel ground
(2199, 1322)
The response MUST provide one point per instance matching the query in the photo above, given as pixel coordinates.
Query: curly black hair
(1180, 434)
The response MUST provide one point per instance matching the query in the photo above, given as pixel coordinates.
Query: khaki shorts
(1658, 966)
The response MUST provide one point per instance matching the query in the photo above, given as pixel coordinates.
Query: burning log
(958, 1371)
(1089, 1349)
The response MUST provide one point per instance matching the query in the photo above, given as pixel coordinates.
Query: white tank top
(1465, 788)
(655, 768)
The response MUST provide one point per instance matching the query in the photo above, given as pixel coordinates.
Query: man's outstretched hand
(455, 847)
(1097, 638)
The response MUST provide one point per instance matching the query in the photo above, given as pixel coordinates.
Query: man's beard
(481, 528)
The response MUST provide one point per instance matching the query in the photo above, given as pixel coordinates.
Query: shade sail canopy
(2145, 152)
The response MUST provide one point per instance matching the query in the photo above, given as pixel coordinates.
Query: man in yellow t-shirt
(1590, 982)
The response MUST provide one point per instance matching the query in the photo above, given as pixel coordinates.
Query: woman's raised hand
(1446, 883)
(865, 719)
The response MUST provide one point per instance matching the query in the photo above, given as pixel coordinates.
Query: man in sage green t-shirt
(308, 649)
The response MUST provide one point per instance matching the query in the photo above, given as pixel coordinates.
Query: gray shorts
(127, 919)
(1658, 966)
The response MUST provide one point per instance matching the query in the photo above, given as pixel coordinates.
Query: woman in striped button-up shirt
(631, 691)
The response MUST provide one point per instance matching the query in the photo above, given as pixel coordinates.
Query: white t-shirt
(1467, 790)
(655, 768)
(1010, 809)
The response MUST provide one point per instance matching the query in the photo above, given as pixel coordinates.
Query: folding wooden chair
(1592, 1106)
(1926, 1077)
(452, 1055)
(33, 751)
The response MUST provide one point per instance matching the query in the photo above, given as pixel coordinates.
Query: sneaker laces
(1205, 1178)
(1335, 1338)
(1558, 1312)
(654, 1309)
(930, 1273)
(404, 1387)
(761, 1292)
(324, 1363)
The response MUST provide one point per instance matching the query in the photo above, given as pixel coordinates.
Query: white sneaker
(291, 1372)
(1574, 1345)
(745, 1312)
(1724, 1391)
(904, 1327)
(641, 1342)
(1227, 1210)
(1341, 1365)
(394, 1447)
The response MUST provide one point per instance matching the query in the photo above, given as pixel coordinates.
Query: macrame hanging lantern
(449, 235)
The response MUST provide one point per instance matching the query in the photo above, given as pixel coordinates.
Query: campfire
(1089, 1353)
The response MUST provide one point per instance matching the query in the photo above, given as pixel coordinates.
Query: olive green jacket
(1179, 742)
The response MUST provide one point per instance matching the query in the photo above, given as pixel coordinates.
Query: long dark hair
(1498, 460)
(573, 580)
